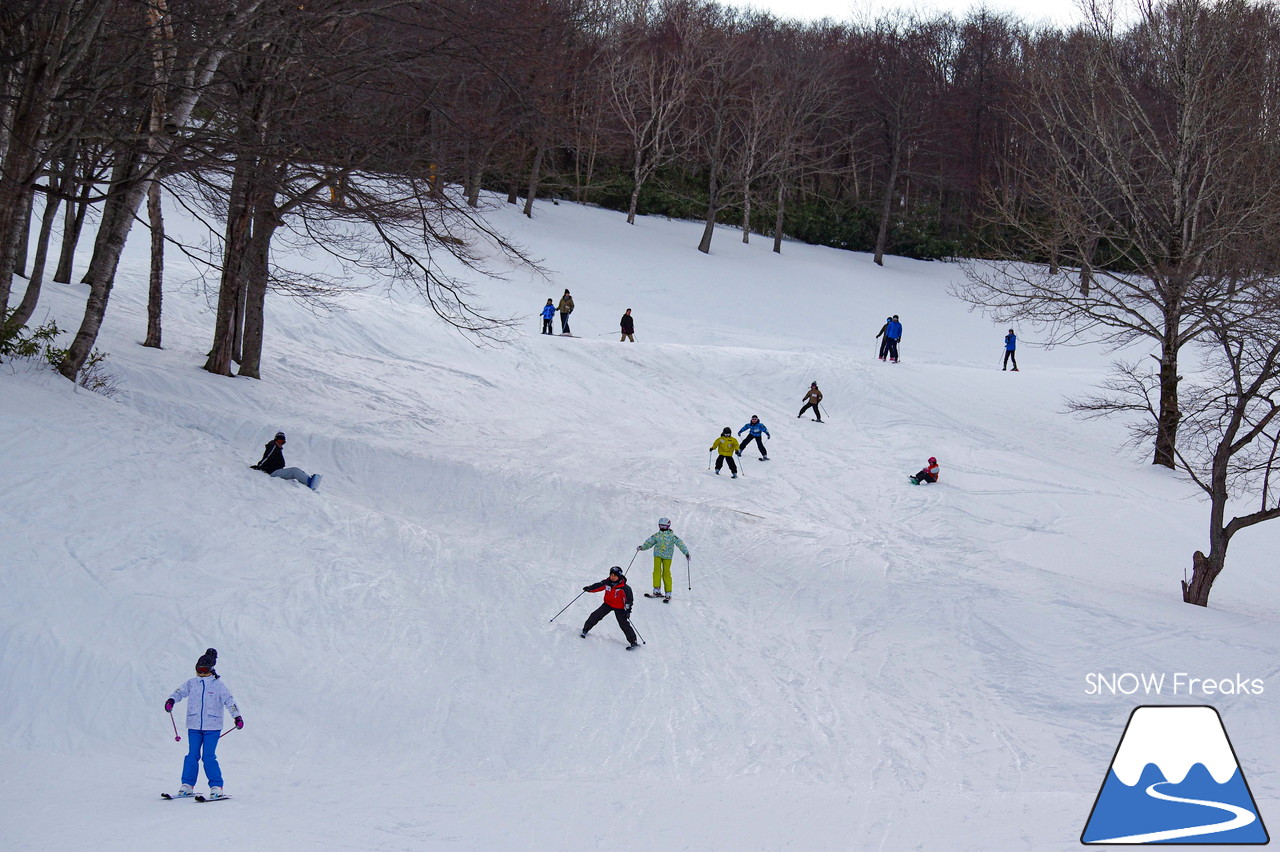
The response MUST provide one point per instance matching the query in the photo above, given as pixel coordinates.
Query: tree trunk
(24, 234)
(636, 183)
(155, 293)
(474, 179)
(746, 215)
(257, 271)
(22, 314)
(73, 221)
(779, 217)
(534, 175)
(1204, 570)
(1168, 418)
(713, 209)
(235, 250)
(886, 209)
(117, 219)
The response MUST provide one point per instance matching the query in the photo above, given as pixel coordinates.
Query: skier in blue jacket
(548, 314)
(756, 428)
(206, 696)
(1010, 345)
(892, 334)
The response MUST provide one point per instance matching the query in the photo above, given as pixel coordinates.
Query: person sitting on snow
(928, 474)
(272, 462)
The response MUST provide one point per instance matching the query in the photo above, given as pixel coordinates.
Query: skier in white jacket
(206, 696)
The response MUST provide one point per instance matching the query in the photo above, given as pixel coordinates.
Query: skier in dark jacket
(272, 462)
(628, 326)
(756, 428)
(1010, 345)
(884, 340)
(618, 599)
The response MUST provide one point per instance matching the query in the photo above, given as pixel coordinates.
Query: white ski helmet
(664, 523)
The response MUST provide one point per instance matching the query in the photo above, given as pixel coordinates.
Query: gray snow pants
(295, 473)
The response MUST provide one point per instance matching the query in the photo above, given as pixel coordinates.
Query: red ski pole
(176, 738)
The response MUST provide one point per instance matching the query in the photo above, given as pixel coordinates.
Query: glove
(627, 609)
(239, 722)
(639, 547)
(168, 706)
(586, 588)
(255, 467)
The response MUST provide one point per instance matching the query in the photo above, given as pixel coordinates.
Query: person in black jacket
(272, 462)
(628, 325)
(618, 598)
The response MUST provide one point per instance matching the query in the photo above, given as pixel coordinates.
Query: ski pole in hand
(566, 606)
(688, 568)
(176, 738)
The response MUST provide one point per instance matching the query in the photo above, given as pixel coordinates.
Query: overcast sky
(1059, 12)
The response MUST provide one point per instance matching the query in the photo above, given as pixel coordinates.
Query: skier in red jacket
(617, 599)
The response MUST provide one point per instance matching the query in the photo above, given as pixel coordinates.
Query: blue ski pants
(202, 744)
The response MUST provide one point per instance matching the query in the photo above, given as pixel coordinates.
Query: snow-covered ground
(860, 664)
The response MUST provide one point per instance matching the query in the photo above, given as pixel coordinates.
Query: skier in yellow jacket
(664, 542)
(726, 445)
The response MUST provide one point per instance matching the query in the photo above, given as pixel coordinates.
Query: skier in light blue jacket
(206, 696)
(757, 429)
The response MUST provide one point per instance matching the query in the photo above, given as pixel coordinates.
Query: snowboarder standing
(1010, 345)
(664, 542)
(617, 599)
(565, 307)
(884, 340)
(548, 313)
(892, 334)
(272, 462)
(726, 445)
(811, 400)
(756, 428)
(928, 474)
(628, 326)
(206, 696)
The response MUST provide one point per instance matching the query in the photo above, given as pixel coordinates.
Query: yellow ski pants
(662, 573)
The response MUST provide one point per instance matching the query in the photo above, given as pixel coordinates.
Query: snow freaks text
(1178, 683)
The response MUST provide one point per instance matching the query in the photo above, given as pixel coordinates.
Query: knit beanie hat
(208, 660)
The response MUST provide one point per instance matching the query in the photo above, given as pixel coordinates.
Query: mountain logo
(1175, 779)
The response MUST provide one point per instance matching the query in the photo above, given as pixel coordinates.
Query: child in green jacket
(664, 542)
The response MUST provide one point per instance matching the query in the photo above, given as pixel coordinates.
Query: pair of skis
(171, 798)
(665, 599)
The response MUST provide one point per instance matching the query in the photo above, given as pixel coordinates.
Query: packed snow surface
(849, 662)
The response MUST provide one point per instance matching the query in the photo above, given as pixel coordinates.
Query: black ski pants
(759, 439)
(1009, 356)
(892, 343)
(624, 621)
(807, 406)
(546, 326)
(564, 322)
(925, 476)
(720, 460)
(884, 348)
